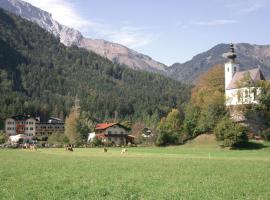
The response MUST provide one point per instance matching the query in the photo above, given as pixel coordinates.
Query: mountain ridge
(41, 76)
(69, 36)
(249, 56)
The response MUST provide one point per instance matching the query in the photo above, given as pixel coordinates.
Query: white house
(237, 92)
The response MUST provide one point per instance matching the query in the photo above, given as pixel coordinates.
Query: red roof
(104, 126)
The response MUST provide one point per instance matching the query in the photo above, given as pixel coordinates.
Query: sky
(167, 30)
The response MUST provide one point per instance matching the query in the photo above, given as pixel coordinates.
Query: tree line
(40, 76)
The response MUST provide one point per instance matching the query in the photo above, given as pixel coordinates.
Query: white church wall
(240, 96)
(230, 69)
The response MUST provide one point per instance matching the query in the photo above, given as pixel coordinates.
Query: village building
(32, 127)
(45, 129)
(21, 124)
(240, 86)
(113, 132)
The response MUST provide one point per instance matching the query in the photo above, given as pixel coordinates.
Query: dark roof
(255, 75)
(21, 117)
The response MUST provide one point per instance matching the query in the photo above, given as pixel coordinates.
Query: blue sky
(167, 30)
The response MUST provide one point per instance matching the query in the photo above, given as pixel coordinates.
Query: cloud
(133, 37)
(214, 22)
(248, 6)
(65, 13)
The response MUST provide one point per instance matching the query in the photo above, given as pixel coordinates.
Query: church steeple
(231, 54)
(231, 67)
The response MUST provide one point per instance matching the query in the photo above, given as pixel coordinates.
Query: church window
(255, 94)
(246, 93)
(239, 96)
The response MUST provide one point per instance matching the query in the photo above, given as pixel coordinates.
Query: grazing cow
(123, 151)
(105, 150)
(69, 147)
(33, 147)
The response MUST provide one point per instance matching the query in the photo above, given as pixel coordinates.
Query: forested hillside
(40, 76)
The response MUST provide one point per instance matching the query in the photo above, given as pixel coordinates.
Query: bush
(96, 142)
(3, 138)
(169, 128)
(265, 135)
(58, 138)
(230, 133)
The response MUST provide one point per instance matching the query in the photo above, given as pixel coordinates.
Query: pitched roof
(255, 75)
(108, 125)
(104, 126)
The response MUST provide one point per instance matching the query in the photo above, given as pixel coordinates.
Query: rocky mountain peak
(69, 36)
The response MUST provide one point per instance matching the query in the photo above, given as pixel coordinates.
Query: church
(240, 86)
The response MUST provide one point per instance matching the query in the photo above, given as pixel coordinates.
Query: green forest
(40, 76)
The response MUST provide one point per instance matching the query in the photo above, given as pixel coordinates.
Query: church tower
(231, 67)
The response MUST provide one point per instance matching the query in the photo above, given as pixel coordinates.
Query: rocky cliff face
(249, 56)
(69, 36)
(123, 55)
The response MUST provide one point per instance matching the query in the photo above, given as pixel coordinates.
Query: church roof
(255, 75)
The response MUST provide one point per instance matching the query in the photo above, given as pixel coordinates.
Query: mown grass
(191, 171)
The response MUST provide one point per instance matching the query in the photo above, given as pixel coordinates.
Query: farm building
(113, 132)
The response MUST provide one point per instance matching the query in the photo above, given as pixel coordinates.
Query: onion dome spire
(231, 54)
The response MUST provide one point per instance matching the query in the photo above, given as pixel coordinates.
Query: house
(240, 85)
(147, 133)
(32, 127)
(21, 124)
(53, 125)
(113, 132)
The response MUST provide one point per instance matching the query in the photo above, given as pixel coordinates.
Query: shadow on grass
(249, 146)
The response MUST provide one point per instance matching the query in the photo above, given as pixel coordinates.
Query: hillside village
(241, 89)
(86, 113)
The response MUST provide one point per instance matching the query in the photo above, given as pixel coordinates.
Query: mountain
(69, 36)
(41, 76)
(249, 56)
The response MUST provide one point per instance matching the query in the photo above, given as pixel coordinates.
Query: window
(228, 69)
(31, 128)
(255, 94)
(239, 96)
(109, 132)
(246, 94)
(234, 69)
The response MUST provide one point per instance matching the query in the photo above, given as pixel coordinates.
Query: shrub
(265, 134)
(96, 142)
(58, 138)
(169, 128)
(230, 133)
(3, 138)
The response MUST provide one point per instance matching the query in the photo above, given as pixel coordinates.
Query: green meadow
(192, 171)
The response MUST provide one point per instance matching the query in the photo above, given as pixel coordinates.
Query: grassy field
(193, 171)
